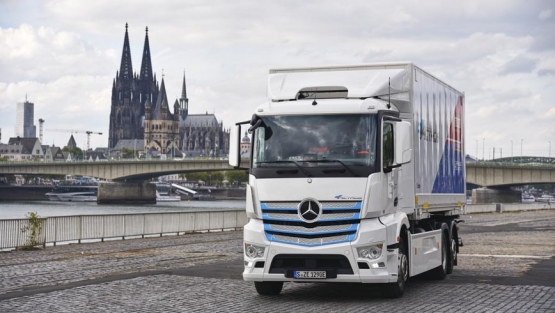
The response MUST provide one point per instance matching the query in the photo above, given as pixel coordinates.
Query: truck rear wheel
(395, 290)
(268, 288)
(452, 255)
(440, 272)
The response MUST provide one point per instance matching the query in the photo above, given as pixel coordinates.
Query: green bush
(33, 230)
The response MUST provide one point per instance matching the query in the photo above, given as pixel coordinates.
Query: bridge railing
(90, 227)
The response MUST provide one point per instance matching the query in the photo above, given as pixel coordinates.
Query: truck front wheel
(268, 288)
(395, 290)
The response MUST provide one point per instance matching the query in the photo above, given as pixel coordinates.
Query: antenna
(389, 94)
(314, 102)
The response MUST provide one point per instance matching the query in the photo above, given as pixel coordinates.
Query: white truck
(356, 174)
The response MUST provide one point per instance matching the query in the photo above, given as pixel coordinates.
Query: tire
(395, 290)
(268, 288)
(452, 257)
(440, 272)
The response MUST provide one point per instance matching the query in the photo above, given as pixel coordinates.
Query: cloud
(43, 54)
(64, 103)
(65, 54)
(545, 14)
(520, 64)
(545, 72)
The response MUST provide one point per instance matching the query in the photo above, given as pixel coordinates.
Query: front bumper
(370, 232)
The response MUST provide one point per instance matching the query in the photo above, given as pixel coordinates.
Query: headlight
(253, 251)
(370, 252)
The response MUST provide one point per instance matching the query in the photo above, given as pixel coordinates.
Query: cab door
(388, 159)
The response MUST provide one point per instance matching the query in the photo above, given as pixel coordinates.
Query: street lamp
(483, 148)
(550, 149)
(521, 141)
(512, 151)
(476, 149)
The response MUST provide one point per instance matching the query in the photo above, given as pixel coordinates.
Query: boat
(166, 198)
(163, 193)
(73, 193)
(528, 198)
(545, 198)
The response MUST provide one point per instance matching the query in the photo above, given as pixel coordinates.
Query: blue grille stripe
(268, 227)
(354, 218)
(349, 238)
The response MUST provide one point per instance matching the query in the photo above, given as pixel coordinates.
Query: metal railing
(89, 227)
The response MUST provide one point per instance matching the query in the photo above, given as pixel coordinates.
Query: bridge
(490, 174)
(128, 178)
(116, 170)
(504, 172)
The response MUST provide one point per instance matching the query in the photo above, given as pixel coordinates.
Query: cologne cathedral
(140, 110)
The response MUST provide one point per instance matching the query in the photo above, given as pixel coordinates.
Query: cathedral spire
(184, 89)
(126, 68)
(184, 101)
(146, 64)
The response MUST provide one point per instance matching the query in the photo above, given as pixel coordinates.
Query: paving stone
(163, 292)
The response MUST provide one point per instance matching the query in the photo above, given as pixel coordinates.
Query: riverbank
(24, 192)
(37, 193)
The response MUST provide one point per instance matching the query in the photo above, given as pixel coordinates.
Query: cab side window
(387, 144)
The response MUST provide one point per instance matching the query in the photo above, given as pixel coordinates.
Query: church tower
(130, 93)
(161, 126)
(184, 101)
(148, 88)
(124, 117)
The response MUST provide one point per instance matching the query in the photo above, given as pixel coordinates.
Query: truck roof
(358, 81)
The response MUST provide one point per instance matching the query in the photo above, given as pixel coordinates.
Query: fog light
(370, 252)
(253, 251)
(378, 265)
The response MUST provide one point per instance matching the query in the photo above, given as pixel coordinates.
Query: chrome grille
(323, 218)
(310, 230)
(324, 233)
(274, 205)
(293, 205)
(310, 241)
(284, 216)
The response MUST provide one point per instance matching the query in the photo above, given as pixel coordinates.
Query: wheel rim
(403, 268)
(444, 255)
(453, 250)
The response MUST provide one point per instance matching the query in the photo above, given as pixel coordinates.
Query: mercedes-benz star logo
(310, 210)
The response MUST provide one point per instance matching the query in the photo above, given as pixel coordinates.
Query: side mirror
(234, 150)
(403, 144)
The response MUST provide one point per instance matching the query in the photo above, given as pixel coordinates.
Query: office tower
(24, 120)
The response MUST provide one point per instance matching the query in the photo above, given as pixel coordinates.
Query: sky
(63, 55)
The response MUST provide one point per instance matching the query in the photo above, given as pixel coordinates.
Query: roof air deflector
(329, 92)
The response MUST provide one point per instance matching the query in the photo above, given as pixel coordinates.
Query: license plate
(309, 274)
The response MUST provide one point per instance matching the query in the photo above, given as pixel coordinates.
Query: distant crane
(73, 131)
(41, 123)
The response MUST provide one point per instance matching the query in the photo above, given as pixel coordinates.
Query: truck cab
(332, 194)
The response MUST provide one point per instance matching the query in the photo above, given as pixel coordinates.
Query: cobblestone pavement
(506, 265)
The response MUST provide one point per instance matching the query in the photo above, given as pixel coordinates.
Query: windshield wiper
(287, 161)
(333, 161)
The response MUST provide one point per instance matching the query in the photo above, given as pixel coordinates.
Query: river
(19, 209)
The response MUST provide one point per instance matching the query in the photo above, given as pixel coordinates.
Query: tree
(216, 178)
(75, 151)
(128, 153)
(196, 176)
(237, 176)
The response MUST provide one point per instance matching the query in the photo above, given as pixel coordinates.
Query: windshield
(309, 143)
